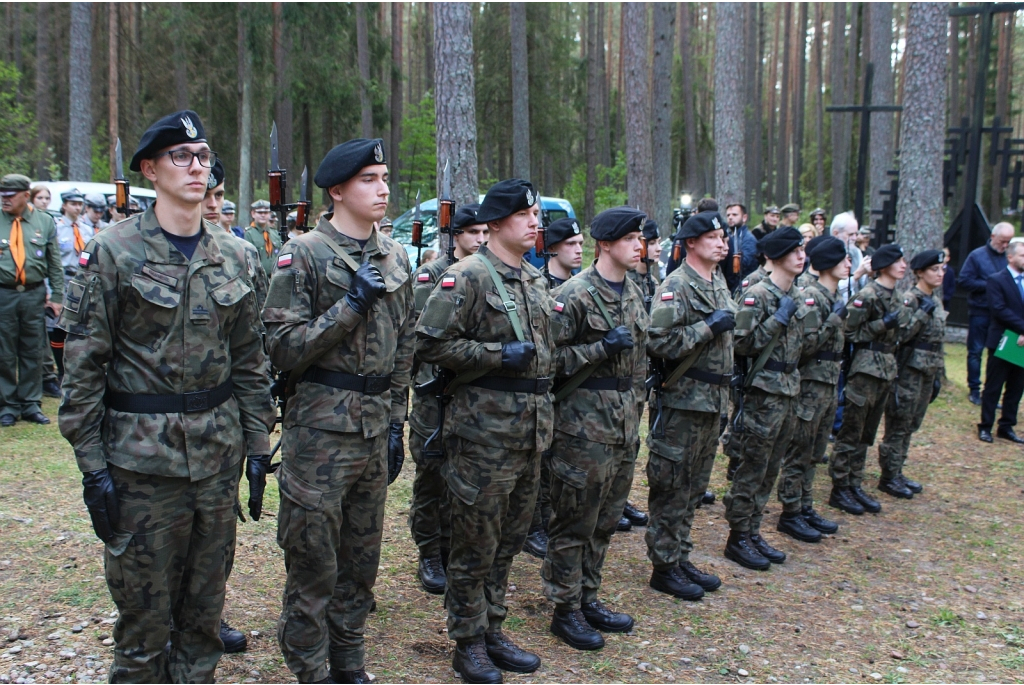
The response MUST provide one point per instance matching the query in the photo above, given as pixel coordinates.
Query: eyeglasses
(183, 158)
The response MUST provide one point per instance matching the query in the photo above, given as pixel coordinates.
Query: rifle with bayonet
(121, 194)
(541, 248)
(446, 214)
(417, 232)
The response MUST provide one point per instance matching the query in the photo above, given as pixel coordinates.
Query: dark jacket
(979, 265)
(1006, 306)
(948, 286)
(748, 259)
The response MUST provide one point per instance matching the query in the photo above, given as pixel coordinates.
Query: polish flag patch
(423, 278)
(749, 302)
(665, 297)
(83, 258)
(284, 260)
(559, 306)
(448, 282)
(809, 302)
(858, 303)
(745, 283)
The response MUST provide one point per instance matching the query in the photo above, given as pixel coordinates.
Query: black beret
(925, 259)
(651, 230)
(886, 255)
(216, 176)
(348, 159)
(699, 224)
(560, 230)
(465, 215)
(825, 251)
(780, 242)
(180, 127)
(612, 224)
(505, 198)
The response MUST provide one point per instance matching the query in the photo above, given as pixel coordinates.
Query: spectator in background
(768, 223)
(864, 240)
(807, 231)
(428, 256)
(95, 213)
(981, 263)
(385, 226)
(40, 197)
(948, 282)
(819, 220)
(737, 235)
(845, 227)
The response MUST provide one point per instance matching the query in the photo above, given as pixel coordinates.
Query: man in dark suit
(1005, 291)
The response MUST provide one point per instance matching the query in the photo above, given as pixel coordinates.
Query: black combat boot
(536, 543)
(234, 640)
(708, 498)
(673, 582)
(635, 516)
(740, 548)
(356, 677)
(895, 488)
(624, 525)
(51, 389)
(601, 617)
(815, 520)
(572, 626)
(431, 574)
(767, 551)
(796, 526)
(734, 465)
(911, 485)
(507, 655)
(471, 662)
(709, 581)
(866, 501)
(445, 554)
(841, 498)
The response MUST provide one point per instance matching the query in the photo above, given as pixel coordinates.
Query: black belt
(22, 288)
(929, 347)
(775, 365)
(533, 386)
(624, 384)
(828, 357)
(708, 377)
(187, 403)
(368, 385)
(884, 348)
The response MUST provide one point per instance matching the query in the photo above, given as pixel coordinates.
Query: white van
(144, 196)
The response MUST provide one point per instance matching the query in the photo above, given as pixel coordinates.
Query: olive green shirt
(42, 251)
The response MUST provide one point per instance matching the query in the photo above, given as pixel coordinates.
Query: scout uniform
(267, 241)
(165, 392)
(72, 236)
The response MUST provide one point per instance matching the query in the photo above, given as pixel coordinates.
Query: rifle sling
(586, 372)
(762, 358)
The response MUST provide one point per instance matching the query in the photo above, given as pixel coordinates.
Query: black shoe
(975, 397)
(740, 548)
(234, 640)
(911, 485)
(537, 543)
(431, 574)
(624, 526)
(673, 582)
(51, 389)
(734, 465)
(767, 551)
(37, 417)
(471, 662)
(795, 526)
(601, 617)
(895, 488)
(985, 435)
(573, 628)
(708, 498)
(357, 677)
(814, 520)
(1008, 434)
(8, 420)
(635, 516)
(507, 655)
(843, 500)
(870, 505)
(709, 581)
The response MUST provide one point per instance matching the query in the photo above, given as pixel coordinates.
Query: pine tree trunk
(363, 60)
(454, 104)
(283, 112)
(840, 143)
(954, 71)
(113, 85)
(785, 94)
(245, 120)
(881, 148)
(771, 161)
(396, 107)
(639, 155)
(80, 94)
(919, 215)
(690, 171)
(178, 33)
(604, 141)
(750, 130)
(661, 83)
(593, 112)
(1004, 56)
(520, 91)
(819, 104)
(759, 112)
(801, 101)
(730, 160)
(43, 86)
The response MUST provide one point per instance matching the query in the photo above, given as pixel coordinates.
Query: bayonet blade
(274, 160)
(118, 164)
(416, 215)
(304, 185)
(446, 182)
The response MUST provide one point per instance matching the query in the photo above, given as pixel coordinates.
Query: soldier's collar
(595, 278)
(526, 272)
(159, 250)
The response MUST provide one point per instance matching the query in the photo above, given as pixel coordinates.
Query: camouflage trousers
(731, 444)
(589, 485)
(865, 403)
(430, 512)
(678, 471)
(167, 575)
(542, 510)
(765, 431)
(814, 411)
(904, 413)
(493, 493)
(333, 487)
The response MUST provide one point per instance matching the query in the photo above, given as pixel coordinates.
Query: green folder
(1008, 349)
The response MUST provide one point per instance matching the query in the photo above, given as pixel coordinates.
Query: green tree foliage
(17, 126)
(419, 153)
(610, 193)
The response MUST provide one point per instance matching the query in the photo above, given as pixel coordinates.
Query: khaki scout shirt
(309, 322)
(42, 253)
(254, 236)
(143, 319)
(423, 414)
(864, 325)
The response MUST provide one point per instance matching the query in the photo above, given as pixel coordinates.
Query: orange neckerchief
(267, 244)
(79, 243)
(18, 251)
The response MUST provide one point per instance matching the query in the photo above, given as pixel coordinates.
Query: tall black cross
(866, 109)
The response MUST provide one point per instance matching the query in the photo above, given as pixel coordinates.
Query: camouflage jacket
(606, 416)
(42, 252)
(143, 319)
(643, 282)
(310, 323)
(462, 328)
(756, 326)
(922, 344)
(752, 279)
(864, 326)
(827, 340)
(681, 303)
(258, 239)
(423, 415)
(260, 280)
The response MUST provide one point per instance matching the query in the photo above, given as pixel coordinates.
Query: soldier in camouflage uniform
(601, 327)
(429, 511)
(692, 319)
(876, 317)
(920, 375)
(489, 321)
(339, 320)
(770, 330)
(165, 392)
(820, 361)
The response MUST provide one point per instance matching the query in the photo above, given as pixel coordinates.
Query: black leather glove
(100, 497)
(516, 356)
(927, 305)
(936, 388)
(367, 286)
(891, 320)
(720, 321)
(787, 307)
(616, 340)
(839, 308)
(257, 466)
(396, 450)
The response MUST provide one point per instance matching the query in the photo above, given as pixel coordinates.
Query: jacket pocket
(151, 310)
(459, 486)
(573, 476)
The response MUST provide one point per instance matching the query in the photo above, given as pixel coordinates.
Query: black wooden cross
(865, 109)
(882, 232)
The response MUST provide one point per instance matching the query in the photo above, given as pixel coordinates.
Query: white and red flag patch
(83, 258)
(559, 306)
(749, 301)
(665, 297)
(423, 278)
(284, 260)
(448, 282)
(858, 303)
(809, 302)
